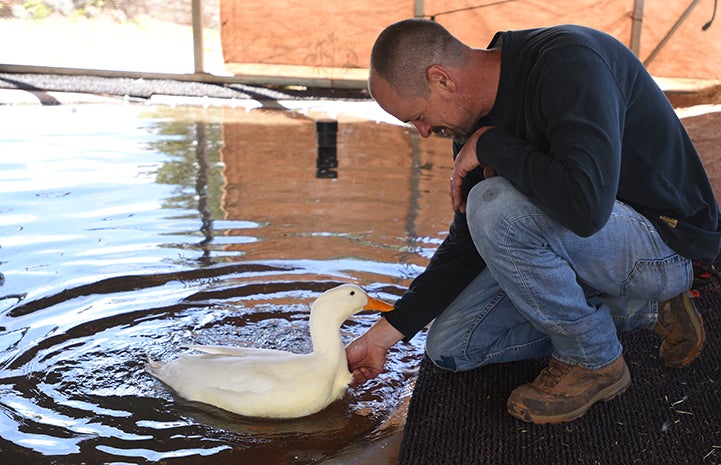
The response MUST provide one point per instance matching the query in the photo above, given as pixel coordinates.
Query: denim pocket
(658, 279)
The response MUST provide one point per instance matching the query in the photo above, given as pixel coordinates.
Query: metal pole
(670, 33)
(418, 9)
(636, 27)
(254, 79)
(198, 36)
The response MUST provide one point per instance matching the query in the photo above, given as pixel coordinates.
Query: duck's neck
(326, 337)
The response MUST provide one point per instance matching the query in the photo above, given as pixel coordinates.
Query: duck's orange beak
(379, 305)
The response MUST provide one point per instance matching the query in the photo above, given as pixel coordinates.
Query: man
(580, 205)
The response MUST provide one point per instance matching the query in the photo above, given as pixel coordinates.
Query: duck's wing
(193, 375)
(231, 350)
(284, 386)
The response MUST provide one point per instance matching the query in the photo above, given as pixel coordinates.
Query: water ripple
(78, 387)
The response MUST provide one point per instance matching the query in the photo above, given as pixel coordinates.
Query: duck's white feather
(233, 351)
(273, 383)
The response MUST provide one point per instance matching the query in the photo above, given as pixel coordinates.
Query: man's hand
(367, 354)
(466, 161)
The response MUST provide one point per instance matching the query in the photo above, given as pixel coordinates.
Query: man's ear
(440, 78)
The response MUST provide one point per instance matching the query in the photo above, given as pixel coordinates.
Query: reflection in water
(128, 232)
(327, 155)
(201, 190)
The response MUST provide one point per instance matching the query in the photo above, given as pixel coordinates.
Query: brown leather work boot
(681, 327)
(564, 392)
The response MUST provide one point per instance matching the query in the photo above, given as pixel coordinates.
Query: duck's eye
(352, 292)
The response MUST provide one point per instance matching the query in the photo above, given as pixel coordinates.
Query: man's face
(437, 112)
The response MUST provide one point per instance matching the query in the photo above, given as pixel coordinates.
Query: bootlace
(552, 374)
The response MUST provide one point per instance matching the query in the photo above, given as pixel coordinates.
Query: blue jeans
(547, 291)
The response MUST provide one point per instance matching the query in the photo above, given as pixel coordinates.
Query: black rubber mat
(667, 416)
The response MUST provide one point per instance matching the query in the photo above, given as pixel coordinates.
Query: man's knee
(494, 191)
(493, 206)
(438, 351)
(450, 351)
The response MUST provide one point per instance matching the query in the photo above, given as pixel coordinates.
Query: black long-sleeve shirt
(577, 123)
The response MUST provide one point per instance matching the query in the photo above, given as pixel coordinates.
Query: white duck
(274, 383)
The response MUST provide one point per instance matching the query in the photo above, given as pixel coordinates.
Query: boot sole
(607, 394)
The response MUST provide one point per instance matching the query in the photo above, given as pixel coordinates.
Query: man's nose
(424, 129)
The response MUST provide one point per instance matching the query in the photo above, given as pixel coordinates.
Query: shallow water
(128, 231)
